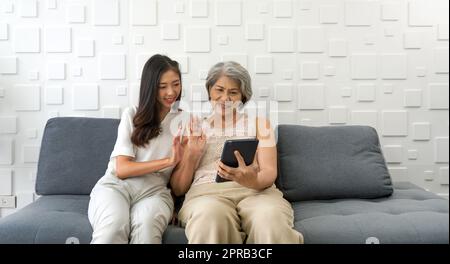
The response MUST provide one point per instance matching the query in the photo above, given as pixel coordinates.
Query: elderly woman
(247, 208)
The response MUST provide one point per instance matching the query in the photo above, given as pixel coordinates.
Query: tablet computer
(246, 147)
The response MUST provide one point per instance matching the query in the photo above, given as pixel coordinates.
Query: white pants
(119, 217)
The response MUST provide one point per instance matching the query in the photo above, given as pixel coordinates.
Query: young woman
(131, 202)
(248, 208)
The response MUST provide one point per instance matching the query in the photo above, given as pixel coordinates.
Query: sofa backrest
(336, 162)
(74, 154)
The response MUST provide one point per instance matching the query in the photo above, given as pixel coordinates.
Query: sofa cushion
(59, 219)
(316, 163)
(74, 154)
(53, 219)
(410, 215)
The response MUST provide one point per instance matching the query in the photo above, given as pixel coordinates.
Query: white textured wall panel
(310, 70)
(365, 118)
(329, 14)
(399, 174)
(338, 115)
(144, 12)
(311, 39)
(56, 71)
(393, 153)
(54, 95)
(106, 12)
(76, 13)
(5, 182)
(438, 96)
(367, 92)
(85, 48)
(364, 66)
(443, 174)
(421, 131)
(395, 123)
(85, 97)
(264, 64)
(391, 10)
(28, 8)
(112, 66)
(254, 31)
(282, 8)
(8, 65)
(394, 66)
(420, 13)
(440, 61)
(27, 39)
(58, 39)
(171, 31)
(283, 92)
(323, 62)
(27, 97)
(413, 98)
(198, 39)
(359, 12)
(281, 39)
(337, 48)
(199, 8)
(31, 154)
(441, 153)
(4, 31)
(8, 124)
(228, 12)
(311, 97)
(6, 151)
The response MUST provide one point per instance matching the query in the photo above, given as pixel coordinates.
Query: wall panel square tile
(197, 39)
(27, 97)
(311, 97)
(364, 66)
(85, 97)
(395, 123)
(228, 12)
(441, 149)
(438, 96)
(281, 39)
(107, 13)
(27, 39)
(6, 151)
(112, 66)
(311, 39)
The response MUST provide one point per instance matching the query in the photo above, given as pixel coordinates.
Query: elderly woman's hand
(195, 142)
(243, 174)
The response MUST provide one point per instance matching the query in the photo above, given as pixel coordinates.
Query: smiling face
(225, 94)
(169, 89)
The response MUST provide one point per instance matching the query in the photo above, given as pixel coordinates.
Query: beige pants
(222, 213)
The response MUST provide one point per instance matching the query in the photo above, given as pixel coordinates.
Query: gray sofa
(335, 177)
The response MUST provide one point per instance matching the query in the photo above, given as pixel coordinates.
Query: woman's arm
(194, 148)
(183, 174)
(267, 155)
(126, 167)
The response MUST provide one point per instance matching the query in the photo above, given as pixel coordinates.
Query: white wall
(381, 63)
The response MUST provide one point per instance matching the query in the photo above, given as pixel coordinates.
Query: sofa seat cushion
(59, 219)
(410, 215)
(54, 219)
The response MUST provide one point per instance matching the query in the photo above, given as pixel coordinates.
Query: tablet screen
(246, 147)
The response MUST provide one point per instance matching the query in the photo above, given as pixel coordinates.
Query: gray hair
(234, 71)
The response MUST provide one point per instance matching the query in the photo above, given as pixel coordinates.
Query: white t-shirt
(158, 148)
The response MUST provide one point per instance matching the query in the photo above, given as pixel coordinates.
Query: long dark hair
(147, 123)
